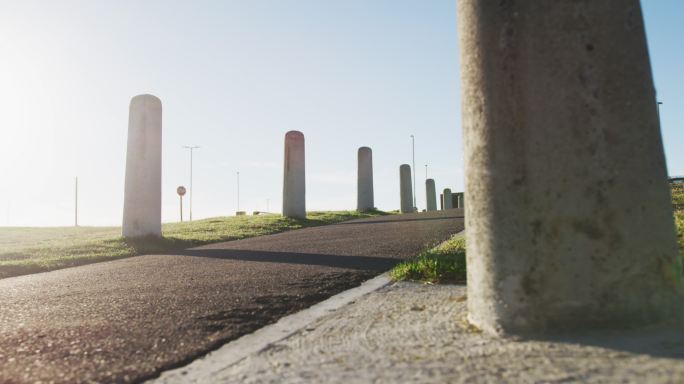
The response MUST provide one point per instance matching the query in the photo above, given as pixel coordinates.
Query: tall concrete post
(294, 184)
(448, 199)
(405, 188)
(459, 200)
(561, 139)
(430, 195)
(364, 195)
(142, 191)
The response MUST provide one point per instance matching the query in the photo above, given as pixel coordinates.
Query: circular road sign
(180, 190)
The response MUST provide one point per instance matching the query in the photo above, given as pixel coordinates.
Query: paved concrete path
(127, 320)
(414, 333)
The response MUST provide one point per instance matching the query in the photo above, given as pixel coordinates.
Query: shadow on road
(370, 221)
(367, 263)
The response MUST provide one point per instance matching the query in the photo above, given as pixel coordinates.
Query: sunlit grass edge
(446, 263)
(442, 264)
(31, 250)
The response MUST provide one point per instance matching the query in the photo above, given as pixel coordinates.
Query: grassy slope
(678, 200)
(443, 264)
(446, 262)
(31, 250)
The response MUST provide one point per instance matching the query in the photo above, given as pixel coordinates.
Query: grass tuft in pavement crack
(444, 264)
(31, 250)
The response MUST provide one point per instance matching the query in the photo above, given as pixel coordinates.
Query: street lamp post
(238, 191)
(191, 148)
(413, 154)
(658, 104)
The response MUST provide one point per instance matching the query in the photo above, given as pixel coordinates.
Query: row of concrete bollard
(294, 183)
(447, 199)
(561, 139)
(142, 196)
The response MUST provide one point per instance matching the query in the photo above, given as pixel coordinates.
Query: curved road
(130, 319)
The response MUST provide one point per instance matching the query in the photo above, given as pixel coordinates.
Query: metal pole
(76, 203)
(191, 148)
(413, 154)
(238, 190)
(181, 208)
(658, 104)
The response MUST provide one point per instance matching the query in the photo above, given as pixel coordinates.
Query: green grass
(678, 201)
(32, 250)
(443, 264)
(446, 263)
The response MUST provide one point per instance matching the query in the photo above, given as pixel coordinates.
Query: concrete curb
(202, 369)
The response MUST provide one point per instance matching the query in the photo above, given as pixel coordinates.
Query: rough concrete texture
(294, 183)
(364, 196)
(418, 333)
(448, 199)
(569, 220)
(142, 194)
(459, 200)
(430, 195)
(405, 191)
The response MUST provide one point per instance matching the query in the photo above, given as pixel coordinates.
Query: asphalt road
(130, 319)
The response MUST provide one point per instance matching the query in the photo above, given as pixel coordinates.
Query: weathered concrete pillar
(561, 139)
(459, 200)
(294, 183)
(441, 201)
(405, 188)
(448, 199)
(364, 195)
(142, 191)
(430, 195)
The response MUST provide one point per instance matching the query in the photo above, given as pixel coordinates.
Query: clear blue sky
(233, 77)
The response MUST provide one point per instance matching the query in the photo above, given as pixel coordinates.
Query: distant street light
(238, 191)
(413, 152)
(191, 148)
(181, 192)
